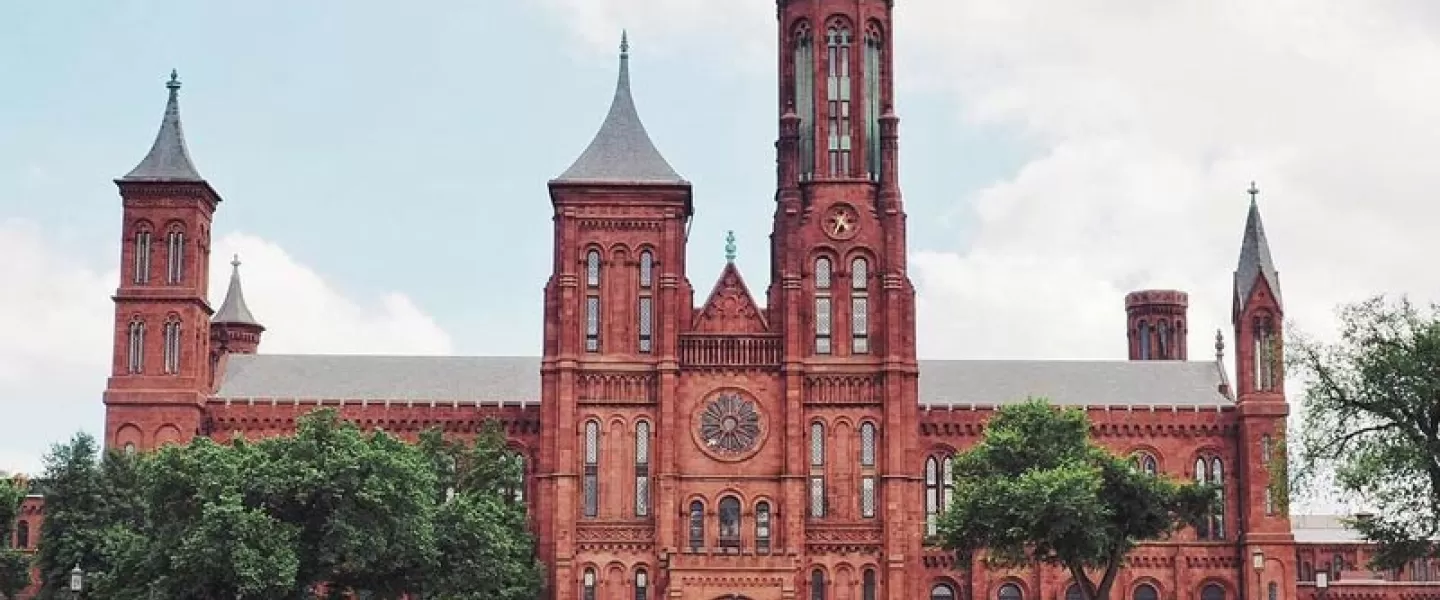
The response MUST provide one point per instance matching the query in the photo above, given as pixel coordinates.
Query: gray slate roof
(233, 310)
(1320, 529)
(169, 159)
(491, 379)
(622, 151)
(1255, 259)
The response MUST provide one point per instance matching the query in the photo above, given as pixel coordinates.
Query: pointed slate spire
(1255, 260)
(169, 159)
(622, 151)
(233, 310)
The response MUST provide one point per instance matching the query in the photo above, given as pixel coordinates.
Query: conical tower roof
(1255, 261)
(622, 151)
(233, 311)
(169, 159)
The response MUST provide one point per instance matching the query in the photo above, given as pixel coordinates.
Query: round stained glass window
(730, 424)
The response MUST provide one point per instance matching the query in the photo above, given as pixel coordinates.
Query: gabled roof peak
(233, 311)
(1255, 261)
(622, 151)
(169, 159)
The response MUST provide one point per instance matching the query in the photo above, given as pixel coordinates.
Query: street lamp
(1257, 561)
(1322, 581)
(77, 581)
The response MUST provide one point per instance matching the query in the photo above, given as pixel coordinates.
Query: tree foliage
(1036, 489)
(14, 563)
(328, 510)
(1372, 418)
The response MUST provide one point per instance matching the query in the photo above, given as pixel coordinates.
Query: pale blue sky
(403, 149)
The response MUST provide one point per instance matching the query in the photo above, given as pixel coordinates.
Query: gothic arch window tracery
(144, 251)
(135, 350)
(874, 53)
(817, 469)
(1145, 462)
(838, 40)
(867, 469)
(175, 253)
(859, 306)
(592, 300)
(1266, 353)
(697, 525)
(762, 527)
(939, 490)
(823, 309)
(1210, 469)
(804, 75)
(646, 308)
(729, 522)
(591, 478)
(171, 352)
(642, 468)
(1142, 334)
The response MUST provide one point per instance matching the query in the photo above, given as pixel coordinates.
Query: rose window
(730, 424)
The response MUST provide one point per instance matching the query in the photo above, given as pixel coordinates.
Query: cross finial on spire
(624, 43)
(174, 83)
(1219, 345)
(1253, 191)
(730, 246)
(235, 261)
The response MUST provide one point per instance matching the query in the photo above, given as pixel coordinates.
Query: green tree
(1372, 419)
(14, 563)
(1037, 490)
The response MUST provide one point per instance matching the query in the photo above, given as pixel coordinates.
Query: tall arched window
(1010, 591)
(143, 251)
(1272, 592)
(762, 527)
(1146, 591)
(22, 534)
(942, 591)
(867, 585)
(823, 270)
(591, 482)
(135, 353)
(646, 308)
(932, 496)
(642, 468)
(172, 346)
(874, 48)
(1212, 591)
(587, 583)
(867, 469)
(947, 482)
(697, 525)
(1266, 353)
(1209, 469)
(859, 306)
(175, 255)
(817, 585)
(804, 66)
(1337, 566)
(817, 469)
(729, 522)
(1146, 463)
(1162, 332)
(838, 39)
(519, 492)
(642, 585)
(592, 301)
(1142, 335)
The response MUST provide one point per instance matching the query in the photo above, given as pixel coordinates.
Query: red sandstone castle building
(729, 448)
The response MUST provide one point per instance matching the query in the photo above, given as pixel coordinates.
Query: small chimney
(1155, 321)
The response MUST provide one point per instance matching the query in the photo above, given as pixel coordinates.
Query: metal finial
(1219, 345)
(730, 246)
(624, 43)
(235, 261)
(174, 82)
(1253, 191)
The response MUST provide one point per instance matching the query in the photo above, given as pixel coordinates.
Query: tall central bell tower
(840, 290)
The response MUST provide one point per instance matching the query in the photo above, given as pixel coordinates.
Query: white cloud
(56, 349)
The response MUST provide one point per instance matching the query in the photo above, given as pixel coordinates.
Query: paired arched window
(729, 522)
(592, 301)
(838, 39)
(939, 490)
(942, 591)
(22, 534)
(642, 584)
(1146, 591)
(143, 248)
(172, 346)
(175, 255)
(868, 585)
(823, 272)
(587, 584)
(859, 306)
(762, 527)
(817, 585)
(804, 74)
(1142, 334)
(591, 478)
(817, 469)
(1146, 463)
(1266, 352)
(697, 525)
(1210, 469)
(135, 350)
(1212, 591)
(519, 492)
(874, 50)
(867, 469)
(1009, 591)
(642, 468)
(646, 302)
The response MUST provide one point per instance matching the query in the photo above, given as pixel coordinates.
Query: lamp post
(1257, 561)
(77, 581)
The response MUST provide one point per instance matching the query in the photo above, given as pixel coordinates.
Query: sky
(383, 169)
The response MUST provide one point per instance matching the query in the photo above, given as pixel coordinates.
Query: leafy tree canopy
(1036, 489)
(330, 509)
(14, 563)
(1372, 418)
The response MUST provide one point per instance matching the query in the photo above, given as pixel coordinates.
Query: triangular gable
(730, 308)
